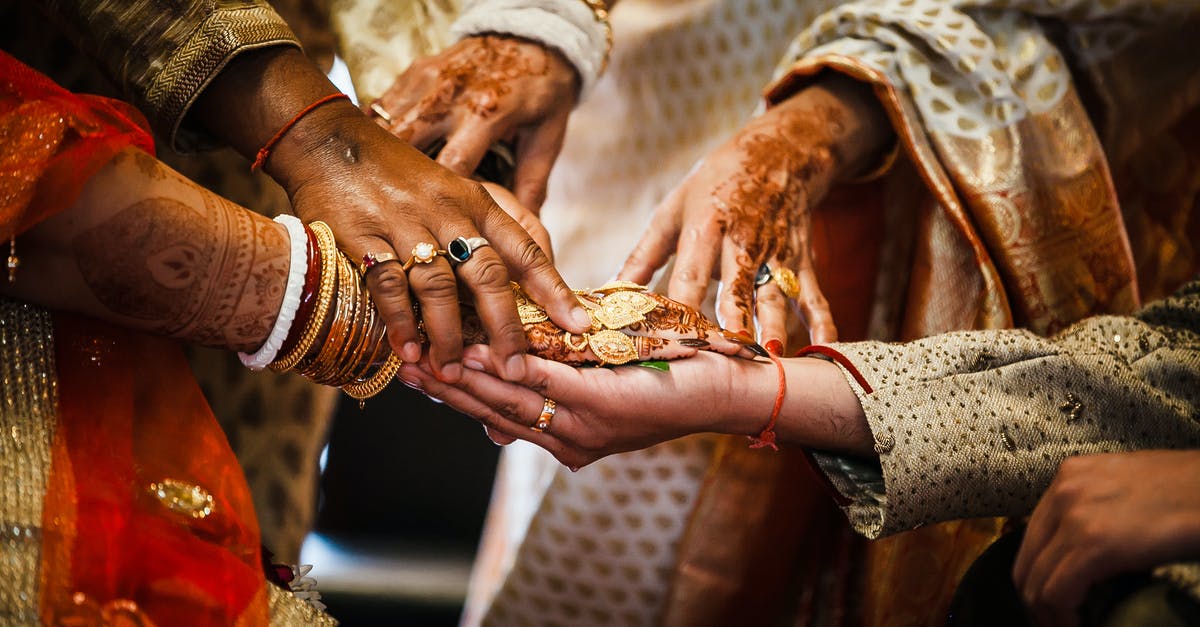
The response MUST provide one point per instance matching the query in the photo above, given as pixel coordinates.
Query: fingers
(536, 152)
(485, 275)
(735, 300)
(695, 258)
(524, 217)
(467, 145)
(813, 305)
(437, 291)
(389, 289)
(771, 308)
(658, 243)
(531, 267)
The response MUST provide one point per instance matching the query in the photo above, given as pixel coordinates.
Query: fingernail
(581, 318)
(488, 433)
(573, 468)
(775, 347)
(411, 351)
(452, 371)
(515, 367)
(740, 338)
(757, 350)
(745, 335)
(473, 365)
(410, 382)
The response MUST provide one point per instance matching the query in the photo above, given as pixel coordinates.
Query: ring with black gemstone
(461, 249)
(763, 277)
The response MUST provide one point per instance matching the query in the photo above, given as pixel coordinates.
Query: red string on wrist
(841, 359)
(265, 151)
(766, 438)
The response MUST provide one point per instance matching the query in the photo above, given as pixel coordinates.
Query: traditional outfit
(1001, 211)
(121, 500)
(1107, 384)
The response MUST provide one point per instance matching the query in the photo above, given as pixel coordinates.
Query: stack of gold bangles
(338, 337)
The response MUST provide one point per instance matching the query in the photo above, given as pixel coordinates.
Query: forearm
(820, 410)
(146, 249)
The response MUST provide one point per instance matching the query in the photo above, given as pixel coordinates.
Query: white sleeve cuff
(568, 26)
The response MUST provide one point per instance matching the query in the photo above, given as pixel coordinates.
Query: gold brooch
(184, 498)
(529, 311)
(613, 347)
(621, 309)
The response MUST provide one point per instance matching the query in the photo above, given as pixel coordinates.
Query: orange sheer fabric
(130, 414)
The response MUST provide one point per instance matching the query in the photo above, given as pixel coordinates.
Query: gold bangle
(376, 382)
(341, 330)
(600, 11)
(327, 248)
(362, 327)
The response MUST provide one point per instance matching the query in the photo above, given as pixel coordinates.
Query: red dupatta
(130, 417)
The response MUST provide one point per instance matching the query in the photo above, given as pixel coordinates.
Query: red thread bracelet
(265, 151)
(766, 437)
(840, 359)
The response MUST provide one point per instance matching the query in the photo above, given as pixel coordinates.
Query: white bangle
(569, 26)
(291, 296)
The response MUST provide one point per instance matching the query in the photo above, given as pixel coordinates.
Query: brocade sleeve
(163, 53)
(975, 423)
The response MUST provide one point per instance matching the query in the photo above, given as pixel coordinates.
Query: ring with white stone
(423, 252)
(461, 249)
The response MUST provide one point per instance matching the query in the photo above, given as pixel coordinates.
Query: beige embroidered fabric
(976, 423)
(162, 54)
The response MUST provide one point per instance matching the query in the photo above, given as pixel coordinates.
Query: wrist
(856, 131)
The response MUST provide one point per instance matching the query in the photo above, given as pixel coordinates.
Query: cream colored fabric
(976, 423)
(684, 76)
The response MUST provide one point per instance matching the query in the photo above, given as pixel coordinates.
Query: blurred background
(402, 500)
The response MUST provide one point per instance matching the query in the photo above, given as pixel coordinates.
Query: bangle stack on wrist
(335, 335)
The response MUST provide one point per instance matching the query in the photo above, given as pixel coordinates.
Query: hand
(1104, 515)
(589, 422)
(749, 201)
(484, 90)
(526, 218)
(380, 195)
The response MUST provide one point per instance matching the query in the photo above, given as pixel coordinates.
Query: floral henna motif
(461, 80)
(671, 330)
(767, 204)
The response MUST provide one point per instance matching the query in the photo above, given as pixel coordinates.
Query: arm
(514, 75)
(749, 203)
(147, 249)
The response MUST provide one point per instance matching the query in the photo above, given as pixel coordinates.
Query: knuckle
(488, 271)
(530, 255)
(390, 283)
(436, 284)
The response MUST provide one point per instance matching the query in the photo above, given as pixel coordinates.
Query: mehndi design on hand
(628, 324)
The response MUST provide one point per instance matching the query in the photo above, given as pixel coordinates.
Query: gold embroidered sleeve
(976, 423)
(162, 54)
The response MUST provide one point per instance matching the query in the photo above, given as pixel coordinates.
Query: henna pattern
(214, 276)
(670, 331)
(479, 77)
(768, 203)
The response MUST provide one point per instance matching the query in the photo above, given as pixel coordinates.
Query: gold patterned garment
(1001, 212)
(161, 54)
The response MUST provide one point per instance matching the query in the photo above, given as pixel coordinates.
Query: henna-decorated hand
(484, 90)
(629, 324)
(380, 195)
(748, 203)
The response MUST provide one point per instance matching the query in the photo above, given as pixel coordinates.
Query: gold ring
(381, 112)
(423, 252)
(370, 260)
(543, 421)
(786, 280)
